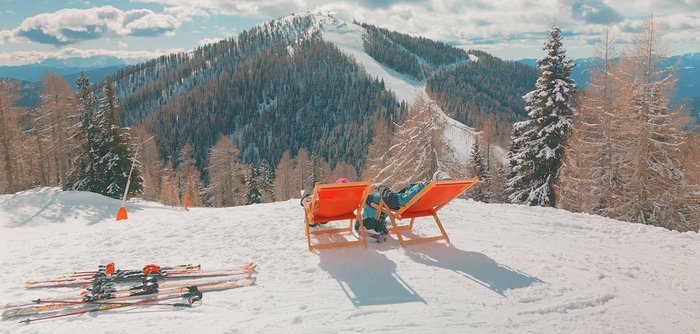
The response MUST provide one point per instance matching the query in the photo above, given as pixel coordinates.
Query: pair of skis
(182, 271)
(139, 295)
(191, 294)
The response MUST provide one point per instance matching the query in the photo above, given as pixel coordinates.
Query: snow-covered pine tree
(112, 157)
(538, 142)
(520, 165)
(83, 173)
(477, 167)
(254, 193)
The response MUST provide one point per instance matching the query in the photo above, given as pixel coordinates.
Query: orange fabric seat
(334, 202)
(426, 203)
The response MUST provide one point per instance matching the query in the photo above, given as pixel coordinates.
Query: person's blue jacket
(394, 200)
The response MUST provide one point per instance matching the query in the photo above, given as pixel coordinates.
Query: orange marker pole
(121, 214)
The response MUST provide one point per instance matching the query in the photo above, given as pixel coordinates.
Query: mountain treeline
(145, 87)
(432, 52)
(487, 87)
(382, 50)
(277, 87)
(312, 98)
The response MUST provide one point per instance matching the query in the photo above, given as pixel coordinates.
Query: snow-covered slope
(348, 38)
(457, 137)
(509, 269)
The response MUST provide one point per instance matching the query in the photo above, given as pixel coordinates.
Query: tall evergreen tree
(254, 194)
(540, 139)
(112, 157)
(477, 167)
(83, 174)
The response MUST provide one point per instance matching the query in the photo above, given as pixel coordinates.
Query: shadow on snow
(367, 277)
(475, 266)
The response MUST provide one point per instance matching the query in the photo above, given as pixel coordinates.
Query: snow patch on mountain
(348, 38)
(457, 137)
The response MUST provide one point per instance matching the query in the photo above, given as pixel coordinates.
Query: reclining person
(376, 228)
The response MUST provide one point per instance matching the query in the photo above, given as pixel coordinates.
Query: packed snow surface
(508, 269)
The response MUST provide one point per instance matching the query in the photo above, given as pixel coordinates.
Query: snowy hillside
(509, 269)
(457, 137)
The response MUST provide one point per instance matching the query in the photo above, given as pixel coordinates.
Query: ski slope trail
(509, 269)
(457, 137)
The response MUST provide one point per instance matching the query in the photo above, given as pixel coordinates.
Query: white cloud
(258, 8)
(68, 26)
(497, 25)
(29, 57)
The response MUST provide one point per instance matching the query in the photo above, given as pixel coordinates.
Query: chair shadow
(60, 207)
(367, 276)
(473, 265)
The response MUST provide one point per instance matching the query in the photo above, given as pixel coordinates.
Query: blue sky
(31, 30)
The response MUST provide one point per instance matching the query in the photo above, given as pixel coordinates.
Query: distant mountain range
(63, 67)
(687, 68)
(30, 75)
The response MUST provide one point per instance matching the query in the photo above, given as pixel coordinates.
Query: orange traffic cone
(121, 214)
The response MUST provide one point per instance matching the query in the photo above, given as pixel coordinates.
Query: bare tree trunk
(7, 149)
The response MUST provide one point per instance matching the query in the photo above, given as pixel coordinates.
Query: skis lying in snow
(166, 268)
(131, 275)
(134, 289)
(192, 295)
(135, 298)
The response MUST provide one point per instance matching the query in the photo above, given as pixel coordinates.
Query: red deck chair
(426, 204)
(333, 202)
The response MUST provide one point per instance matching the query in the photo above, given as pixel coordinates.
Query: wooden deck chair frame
(432, 212)
(311, 218)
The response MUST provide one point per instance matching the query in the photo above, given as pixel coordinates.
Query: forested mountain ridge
(284, 86)
(417, 57)
(486, 87)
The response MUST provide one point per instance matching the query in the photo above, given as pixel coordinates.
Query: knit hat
(440, 175)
